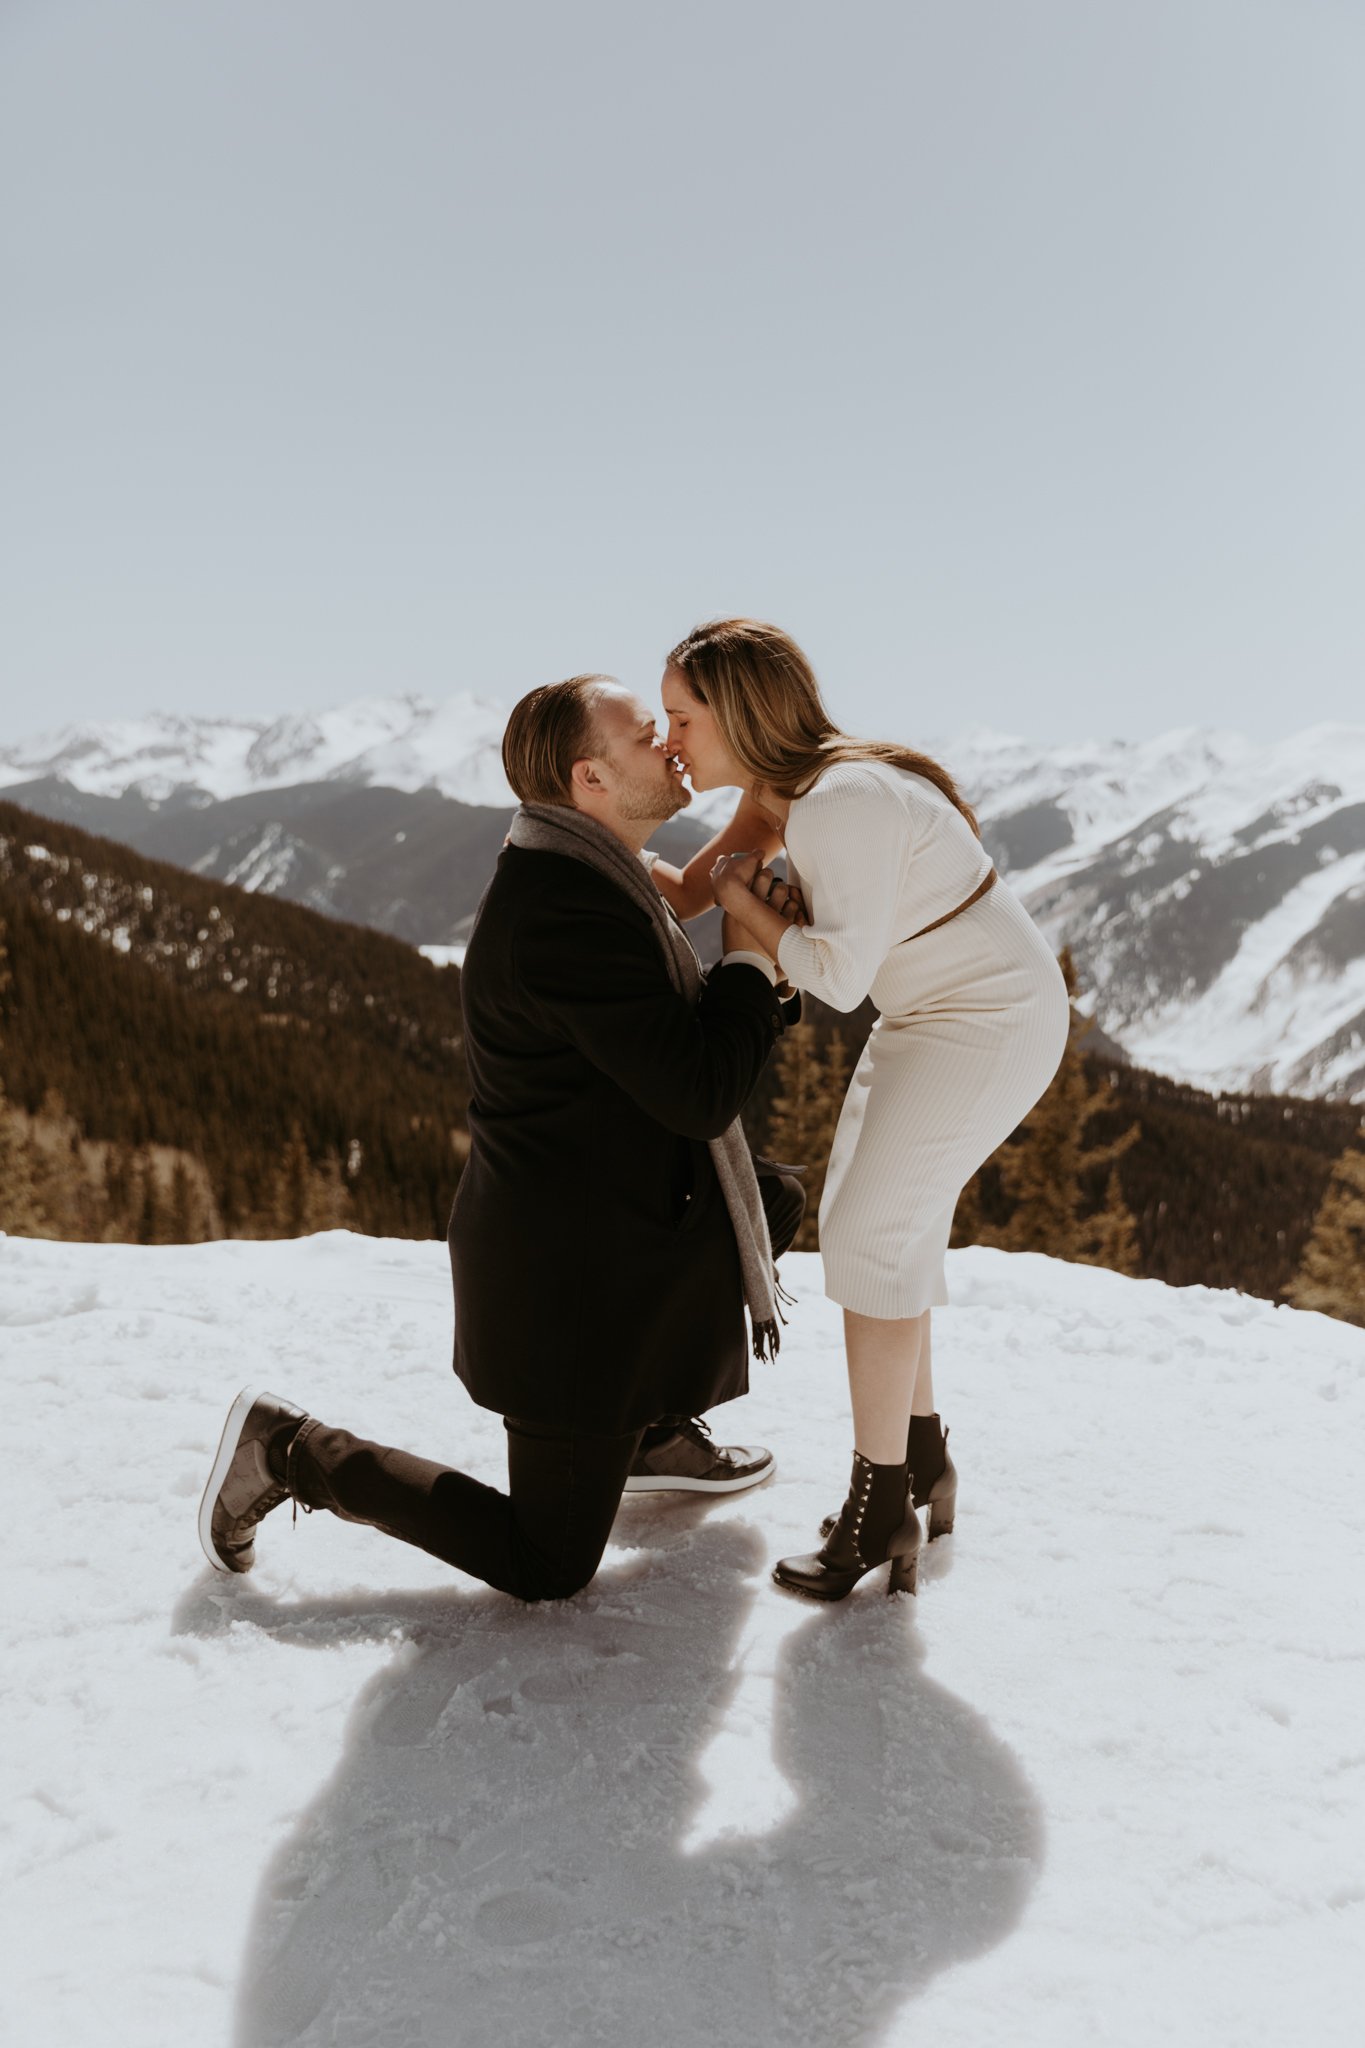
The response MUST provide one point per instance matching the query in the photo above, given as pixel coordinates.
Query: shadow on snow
(502, 1853)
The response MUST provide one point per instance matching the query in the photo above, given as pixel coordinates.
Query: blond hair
(550, 728)
(762, 693)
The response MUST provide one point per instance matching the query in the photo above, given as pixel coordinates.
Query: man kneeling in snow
(610, 1223)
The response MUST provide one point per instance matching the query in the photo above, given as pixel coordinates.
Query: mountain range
(1211, 888)
(289, 1070)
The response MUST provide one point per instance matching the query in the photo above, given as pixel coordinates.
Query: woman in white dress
(900, 903)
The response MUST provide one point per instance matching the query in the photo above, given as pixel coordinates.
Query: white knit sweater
(880, 853)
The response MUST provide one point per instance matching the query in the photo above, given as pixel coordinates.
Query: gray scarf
(555, 828)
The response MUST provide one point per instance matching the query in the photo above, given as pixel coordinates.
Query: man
(608, 1227)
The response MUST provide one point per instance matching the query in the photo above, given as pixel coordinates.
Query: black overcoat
(597, 1280)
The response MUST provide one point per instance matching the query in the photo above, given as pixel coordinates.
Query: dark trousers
(543, 1539)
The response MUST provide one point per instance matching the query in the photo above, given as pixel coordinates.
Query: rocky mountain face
(411, 862)
(1212, 890)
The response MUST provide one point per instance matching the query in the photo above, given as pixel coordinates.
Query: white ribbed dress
(973, 1024)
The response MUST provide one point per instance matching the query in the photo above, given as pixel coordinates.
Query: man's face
(640, 775)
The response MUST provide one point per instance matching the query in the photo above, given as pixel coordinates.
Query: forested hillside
(410, 862)
(1124, 1168)
(182, 1059)
(291, 1067)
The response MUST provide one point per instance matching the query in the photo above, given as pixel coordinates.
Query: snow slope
(1212, 890)
(1101, 1783)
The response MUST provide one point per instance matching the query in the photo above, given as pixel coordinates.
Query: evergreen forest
(180, 1059)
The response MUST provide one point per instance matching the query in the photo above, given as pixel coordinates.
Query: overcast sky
(1007, 352)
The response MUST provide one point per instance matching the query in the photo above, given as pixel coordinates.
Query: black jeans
(541, 1540)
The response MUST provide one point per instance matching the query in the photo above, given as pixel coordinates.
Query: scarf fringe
(767, 1340)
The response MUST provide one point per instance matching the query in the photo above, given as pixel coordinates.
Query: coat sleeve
(600, 978)
(853, 846)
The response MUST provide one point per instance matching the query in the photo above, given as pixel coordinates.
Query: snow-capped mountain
(1212, 889)
(1213, 892)
(408, 742)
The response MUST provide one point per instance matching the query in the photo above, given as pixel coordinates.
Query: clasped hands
(755, 902)
(738, 878)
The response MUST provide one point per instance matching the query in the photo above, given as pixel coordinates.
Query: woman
(902, 905)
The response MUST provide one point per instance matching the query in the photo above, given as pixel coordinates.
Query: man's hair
(549, 730)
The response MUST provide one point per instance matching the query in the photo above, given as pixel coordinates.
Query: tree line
(181, 1060)
(173, 1050)
(1121, 1168)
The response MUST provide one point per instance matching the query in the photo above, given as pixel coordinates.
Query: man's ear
(585, 779)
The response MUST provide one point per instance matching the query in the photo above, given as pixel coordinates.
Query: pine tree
(150, 1224)
(833, 1087)
(1331, 1274)
(805, 1114)
(120, 1189)
(792, 1119)
(329, 1200)
(794, 1115)
(71, 1200)
(21, 1209)
(181, 1223)
(1047, 1173)
(289, 1205)
(838, 1067)
(1110, 1237)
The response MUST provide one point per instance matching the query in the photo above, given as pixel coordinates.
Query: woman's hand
(783, 897)
(737, 875)
(732, 880)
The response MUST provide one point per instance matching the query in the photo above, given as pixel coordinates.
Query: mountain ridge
(1211, 888)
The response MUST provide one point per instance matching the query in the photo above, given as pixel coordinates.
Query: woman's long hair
(762, 692)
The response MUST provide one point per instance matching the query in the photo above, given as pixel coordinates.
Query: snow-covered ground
(1101, 1784)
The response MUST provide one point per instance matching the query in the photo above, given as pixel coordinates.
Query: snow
(1215, 782)
(404, 742)
(1258, 1015)
(1102, 1782)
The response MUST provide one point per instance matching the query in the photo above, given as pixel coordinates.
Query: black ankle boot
(876, 1525)
(933, 1483)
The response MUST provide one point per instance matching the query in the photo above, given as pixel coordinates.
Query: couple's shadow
(509, 1850)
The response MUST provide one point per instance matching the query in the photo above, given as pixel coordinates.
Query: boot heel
(942, 1515)
(904, 1574)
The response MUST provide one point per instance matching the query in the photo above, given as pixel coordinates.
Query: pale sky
(1007, 352)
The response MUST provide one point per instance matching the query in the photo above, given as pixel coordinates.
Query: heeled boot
(933, 1483)
(877, 1525)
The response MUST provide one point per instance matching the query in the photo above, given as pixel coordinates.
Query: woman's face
(694, 737)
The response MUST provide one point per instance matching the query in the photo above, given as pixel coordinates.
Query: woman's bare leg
(883, 1366)
(923, 1403)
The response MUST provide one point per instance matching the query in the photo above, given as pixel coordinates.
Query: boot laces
(263, 1506)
